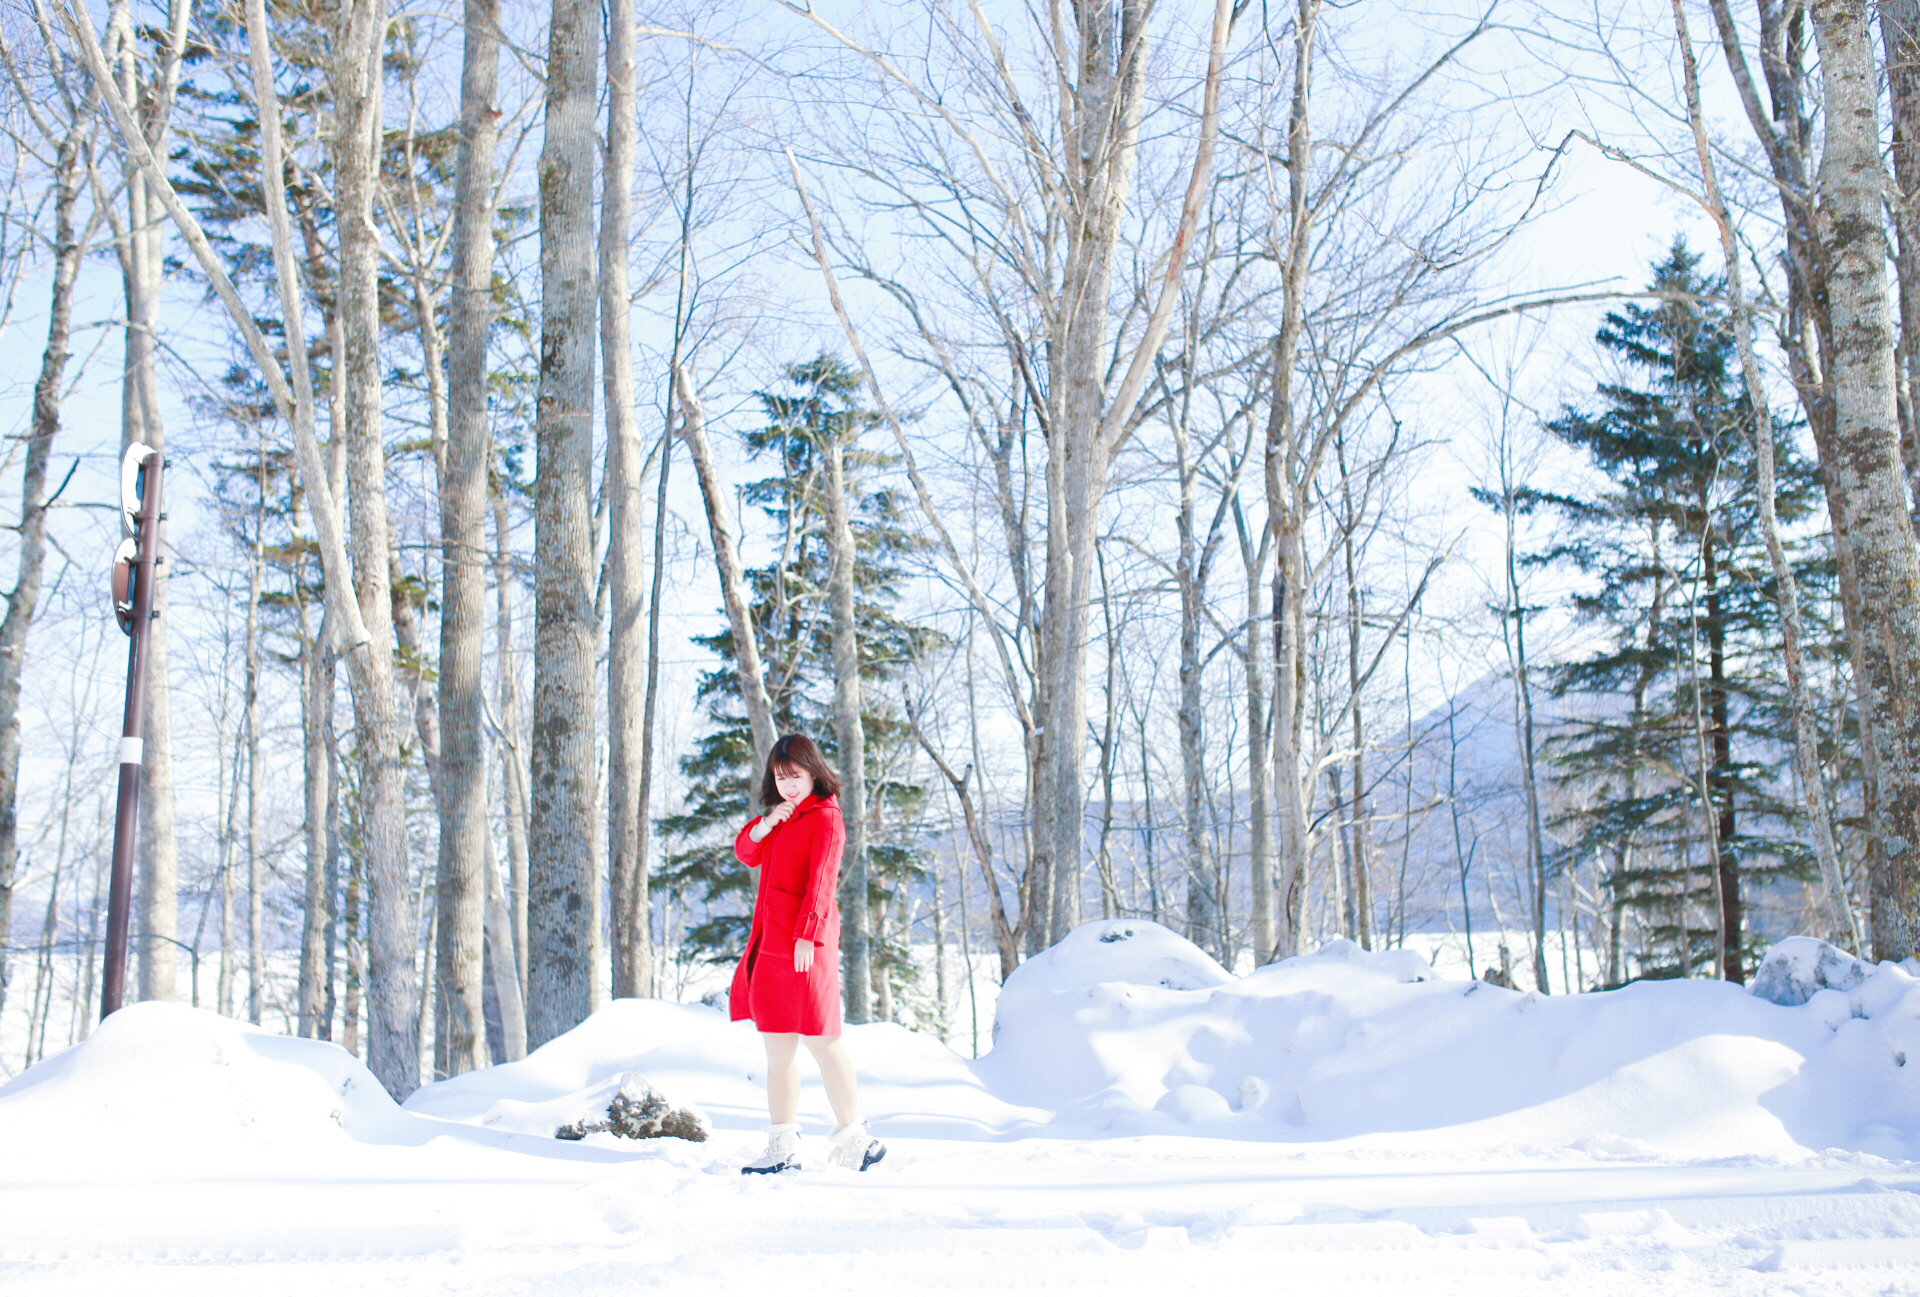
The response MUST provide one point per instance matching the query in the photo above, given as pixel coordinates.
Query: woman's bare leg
(836, 1071)
(783, 1075)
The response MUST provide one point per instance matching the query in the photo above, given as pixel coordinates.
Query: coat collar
(813, 802)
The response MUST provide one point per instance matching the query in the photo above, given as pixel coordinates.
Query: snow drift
(1122, 1029)
(168, 1076)
(1344, 1044)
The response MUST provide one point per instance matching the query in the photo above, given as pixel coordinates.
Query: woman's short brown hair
(797, 751)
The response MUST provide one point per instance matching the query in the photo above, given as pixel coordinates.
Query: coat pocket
(783, 908)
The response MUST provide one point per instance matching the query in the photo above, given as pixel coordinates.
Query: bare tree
(71, 139)
(726, 556)
(1836, 280)
(139, 238)
(849, 737)
(358, 40)
(1786, 588)
(1900, 41)
(561, 883)
(462, 881)
(1097, 59)
(1862, 457)
(627, 674)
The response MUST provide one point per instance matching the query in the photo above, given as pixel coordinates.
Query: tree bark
(256, 935)
(23, 601)
(502, 962)
(142, 252)
(726, 556)
(395, 1053)
(1102, 121)
(316, 705)
(1104, 63)
(561, 883)
(464, 559)
(1287, 480)
(512, 748)
(1900, 40)
(1720, 781)
(849, 734)
(1359, 822)
(627, 674)
(1786, 588)
(1206, 918)
(1259, 669)
(359, 36)
(1867, 465)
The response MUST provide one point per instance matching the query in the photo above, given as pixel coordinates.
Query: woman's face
(792, 782)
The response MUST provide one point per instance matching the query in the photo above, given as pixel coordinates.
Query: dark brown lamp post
(133, 563)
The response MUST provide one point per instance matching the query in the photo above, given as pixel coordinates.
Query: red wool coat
(799, 864)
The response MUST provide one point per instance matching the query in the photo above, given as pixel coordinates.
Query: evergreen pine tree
(815, 405)
(1682, 597)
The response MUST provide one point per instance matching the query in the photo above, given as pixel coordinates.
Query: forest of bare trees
(1439, 477)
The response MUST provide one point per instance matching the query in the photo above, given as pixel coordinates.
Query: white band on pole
(130, 751)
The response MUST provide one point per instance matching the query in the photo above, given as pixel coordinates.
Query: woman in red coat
(788, 981)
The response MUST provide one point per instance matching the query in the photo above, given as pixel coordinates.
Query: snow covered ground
(1145, 1122)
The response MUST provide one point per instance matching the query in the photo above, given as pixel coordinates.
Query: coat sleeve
(745, 849)
(823, 873)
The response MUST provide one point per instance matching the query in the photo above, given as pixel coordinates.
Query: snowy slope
(1145, 1121)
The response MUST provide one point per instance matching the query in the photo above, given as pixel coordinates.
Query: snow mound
(1118, 950)
(626, 1104)
(910, 1084)
(166, 1075)
(1371, 1047)
(1123, 1029)
(1798, 967)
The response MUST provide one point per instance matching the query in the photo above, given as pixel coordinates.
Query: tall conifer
(1683, 712)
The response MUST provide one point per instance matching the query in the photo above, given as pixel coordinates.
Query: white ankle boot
(854, 1149)
(783, 1151)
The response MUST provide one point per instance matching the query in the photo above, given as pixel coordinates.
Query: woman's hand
(772, 818)
(802, 954)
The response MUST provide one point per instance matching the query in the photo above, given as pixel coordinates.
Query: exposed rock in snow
(1797, 967)
(629, 1106)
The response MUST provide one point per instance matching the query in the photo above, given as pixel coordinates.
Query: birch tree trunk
(358, 37)
(856, 950)
(316, 705)
(501, 961)
(23, 600)
(1286, 482)
(1783, 123)
(464, 560)
(641, 905)
(561, 883)
(1867, 464)
(142, 257)
(1259, 671)
(1097, 57)
(1806, 743)
(356, 588)
(1102, 123)
(256, 936)
(631, 931)
(1088, 424)
(512, 748)
(726, 557)
(1900, 40)
(1206, 921)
